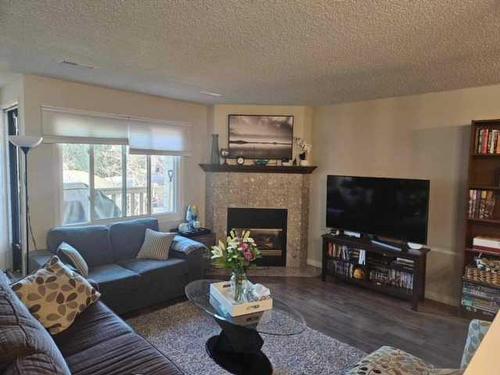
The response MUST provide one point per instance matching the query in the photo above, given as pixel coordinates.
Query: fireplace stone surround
(262, 190)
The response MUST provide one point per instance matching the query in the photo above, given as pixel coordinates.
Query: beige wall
(40, 91)
(301, 126)
(421, 136)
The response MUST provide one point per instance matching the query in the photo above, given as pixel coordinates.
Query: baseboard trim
(439, 298)
(314, 263)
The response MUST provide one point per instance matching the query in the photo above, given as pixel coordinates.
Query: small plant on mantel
(237, 254)
(305, 148)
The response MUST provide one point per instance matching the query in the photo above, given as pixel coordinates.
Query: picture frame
(260, 136)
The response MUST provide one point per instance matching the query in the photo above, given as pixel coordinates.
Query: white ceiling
(265, 52)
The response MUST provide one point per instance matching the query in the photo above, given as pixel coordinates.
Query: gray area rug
(180, 332)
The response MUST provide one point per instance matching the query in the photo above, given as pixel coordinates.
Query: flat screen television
(388, 207)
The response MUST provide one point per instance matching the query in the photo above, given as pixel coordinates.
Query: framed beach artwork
(260, 136)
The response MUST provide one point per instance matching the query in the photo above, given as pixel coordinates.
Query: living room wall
(39, 91)
(422, 136)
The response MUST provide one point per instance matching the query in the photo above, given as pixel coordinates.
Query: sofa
(126, 283)
(387, 360)
(97, 343)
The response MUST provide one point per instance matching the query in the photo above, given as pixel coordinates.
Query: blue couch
(127, 283)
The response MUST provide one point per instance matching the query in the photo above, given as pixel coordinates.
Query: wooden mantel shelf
(257, 168)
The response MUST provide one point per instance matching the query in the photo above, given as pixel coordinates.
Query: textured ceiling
(267, 52)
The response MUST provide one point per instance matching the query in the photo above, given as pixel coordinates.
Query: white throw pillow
(156, 245)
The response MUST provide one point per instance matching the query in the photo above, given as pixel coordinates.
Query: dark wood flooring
(368, 320)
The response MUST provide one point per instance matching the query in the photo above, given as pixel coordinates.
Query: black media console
(362, 262)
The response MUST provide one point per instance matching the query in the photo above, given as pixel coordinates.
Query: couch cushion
(95, 325)
(126, 354)
(111, 276)
(55, 295)
(127, 237)
(161, 269)
(118, 286)
(22, 336)
(92, 242)
(160, 279)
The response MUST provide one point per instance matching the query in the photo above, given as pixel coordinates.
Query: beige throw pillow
(55, 295)
(156, 245)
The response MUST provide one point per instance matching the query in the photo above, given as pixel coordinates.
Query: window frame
(173, 215)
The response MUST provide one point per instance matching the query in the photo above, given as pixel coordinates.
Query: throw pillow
(67, 252)
(55, 295)
(156, 245)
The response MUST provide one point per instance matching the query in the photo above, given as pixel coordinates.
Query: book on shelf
(481, 204)
(479, 298)
(486, 243)
(481, 291)
(392, 277)
(346, 253)
(486, 141)
(378, 274)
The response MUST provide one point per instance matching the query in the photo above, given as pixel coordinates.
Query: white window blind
(159, 139)
(59, 126)
(144, 136)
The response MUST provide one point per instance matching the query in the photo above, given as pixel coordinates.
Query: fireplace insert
(268, 227)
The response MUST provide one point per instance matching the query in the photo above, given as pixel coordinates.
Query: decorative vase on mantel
(303, 159)
(214, 154)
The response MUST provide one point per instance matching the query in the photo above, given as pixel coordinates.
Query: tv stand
(389, 246)
(388, 268)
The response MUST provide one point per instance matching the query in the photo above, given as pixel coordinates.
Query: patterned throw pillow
(67, 252)
(55, 295)
(156, 245)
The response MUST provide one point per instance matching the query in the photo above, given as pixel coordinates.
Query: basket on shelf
(476, 275)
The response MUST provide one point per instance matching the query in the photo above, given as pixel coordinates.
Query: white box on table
(222, 293)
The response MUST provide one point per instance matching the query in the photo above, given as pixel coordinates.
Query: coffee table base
(238, 350)
(239, 363)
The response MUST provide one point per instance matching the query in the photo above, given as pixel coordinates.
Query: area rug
(180, 332)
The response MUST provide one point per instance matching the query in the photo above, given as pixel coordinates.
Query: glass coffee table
(237, 348)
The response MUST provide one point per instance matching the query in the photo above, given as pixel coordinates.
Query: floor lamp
(26, 143)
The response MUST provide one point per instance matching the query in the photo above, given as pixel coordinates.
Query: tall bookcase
(480, 291)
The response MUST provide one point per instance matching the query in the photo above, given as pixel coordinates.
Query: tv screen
(387, 207)
(260, 137)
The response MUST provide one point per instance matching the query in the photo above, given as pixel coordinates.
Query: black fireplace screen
(268, 228)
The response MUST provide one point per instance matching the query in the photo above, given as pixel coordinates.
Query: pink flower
(244, 247)
(247, 254)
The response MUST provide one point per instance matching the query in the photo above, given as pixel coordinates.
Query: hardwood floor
(368, 320)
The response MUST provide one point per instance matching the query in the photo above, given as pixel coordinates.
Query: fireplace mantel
(295, 169)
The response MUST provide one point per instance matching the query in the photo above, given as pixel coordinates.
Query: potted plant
(237, 254)
(304, 149)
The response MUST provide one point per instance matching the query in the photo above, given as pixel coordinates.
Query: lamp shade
(25, 141)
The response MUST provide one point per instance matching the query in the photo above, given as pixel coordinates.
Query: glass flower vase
(238, 286)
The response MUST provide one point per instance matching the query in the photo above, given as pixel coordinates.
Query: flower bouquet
(237, 255)
(305, 148)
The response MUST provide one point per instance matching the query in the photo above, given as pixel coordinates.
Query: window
(103, 182)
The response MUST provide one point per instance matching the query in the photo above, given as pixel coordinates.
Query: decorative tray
(221, 292)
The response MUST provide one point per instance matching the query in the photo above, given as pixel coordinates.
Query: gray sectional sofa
(127, 283)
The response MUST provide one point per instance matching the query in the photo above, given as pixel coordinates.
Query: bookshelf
(480, 298)
(394, 272)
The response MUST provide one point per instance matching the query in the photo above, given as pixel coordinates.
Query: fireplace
(268, 227)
